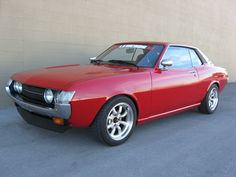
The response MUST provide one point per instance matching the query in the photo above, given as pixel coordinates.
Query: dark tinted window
(180, 57)
(150, 58)
(195, 59)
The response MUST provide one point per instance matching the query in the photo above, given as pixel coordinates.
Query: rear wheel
(116, 120)
(210, 102)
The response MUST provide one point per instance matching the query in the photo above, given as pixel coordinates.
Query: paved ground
(188, 144)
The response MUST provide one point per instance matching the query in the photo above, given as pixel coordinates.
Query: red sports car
(127, 84)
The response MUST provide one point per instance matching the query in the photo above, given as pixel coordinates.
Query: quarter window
(195, 59)
(180, 57)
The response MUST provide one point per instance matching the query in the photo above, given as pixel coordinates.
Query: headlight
(17, 87)
(64, 97)
(48, 96)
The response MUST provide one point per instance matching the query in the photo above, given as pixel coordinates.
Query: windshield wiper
(122, 62)
(96, 61)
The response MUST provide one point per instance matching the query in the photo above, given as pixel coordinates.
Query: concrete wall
(38, 33)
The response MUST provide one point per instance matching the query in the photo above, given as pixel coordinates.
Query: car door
(174, 87)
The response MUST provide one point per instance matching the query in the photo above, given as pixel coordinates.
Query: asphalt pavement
(187, 144)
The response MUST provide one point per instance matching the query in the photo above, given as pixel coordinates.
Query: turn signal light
(58, 121)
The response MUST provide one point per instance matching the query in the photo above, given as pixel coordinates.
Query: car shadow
(85, 137)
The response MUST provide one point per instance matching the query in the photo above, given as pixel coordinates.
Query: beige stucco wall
(37, 33)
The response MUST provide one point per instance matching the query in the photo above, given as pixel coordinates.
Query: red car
(128, 84)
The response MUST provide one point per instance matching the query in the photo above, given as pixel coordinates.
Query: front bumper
(41, 121)
(39, 115)
(60, 110)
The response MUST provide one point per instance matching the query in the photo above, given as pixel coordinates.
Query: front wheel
(115, 122)
(210, 102)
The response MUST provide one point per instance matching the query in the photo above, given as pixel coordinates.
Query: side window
(180, 57)
(195, 59)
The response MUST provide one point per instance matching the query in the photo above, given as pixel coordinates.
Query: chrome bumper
(60, 110)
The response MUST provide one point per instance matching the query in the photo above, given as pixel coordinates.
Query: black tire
(103, 120)
(205, 104)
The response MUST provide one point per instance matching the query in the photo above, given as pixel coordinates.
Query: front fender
(93, 94)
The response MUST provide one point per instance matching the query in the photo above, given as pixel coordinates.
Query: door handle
(193, 72)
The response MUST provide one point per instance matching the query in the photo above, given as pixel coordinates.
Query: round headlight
(48, 96)
(17, 87)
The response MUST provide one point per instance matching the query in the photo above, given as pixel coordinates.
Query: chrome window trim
(208, 61)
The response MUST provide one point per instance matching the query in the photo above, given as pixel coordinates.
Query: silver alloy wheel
(213, 99)
(120, 121)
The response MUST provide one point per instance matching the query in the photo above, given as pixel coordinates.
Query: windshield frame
(108, 50)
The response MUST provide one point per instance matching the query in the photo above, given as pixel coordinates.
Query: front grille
(33, 92)
(34, 95)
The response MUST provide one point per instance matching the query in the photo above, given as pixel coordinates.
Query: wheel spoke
(124, 114)
(210, 103)
(119, 130)
(124, 123)
(113, 131)
(212, 94)
(114, 112)
(215, 99)
(120, 109)
(111, 116)
(110, 126)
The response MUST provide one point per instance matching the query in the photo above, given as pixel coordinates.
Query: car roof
(143, 42)
(156, 42)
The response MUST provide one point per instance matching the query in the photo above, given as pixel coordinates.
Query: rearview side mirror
(92, 59)
(166, 63)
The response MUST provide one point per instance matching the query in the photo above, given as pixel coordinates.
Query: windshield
(132, 54)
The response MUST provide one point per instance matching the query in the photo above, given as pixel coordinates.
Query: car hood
(62, 77)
